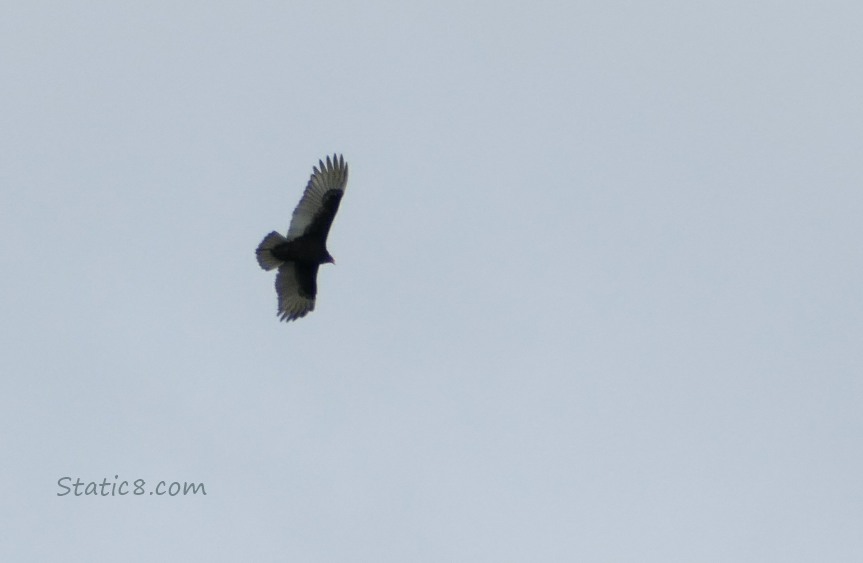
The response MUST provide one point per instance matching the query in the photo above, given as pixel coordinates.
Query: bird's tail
(265, 256)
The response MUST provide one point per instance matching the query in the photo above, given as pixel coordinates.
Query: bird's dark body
(303, 249)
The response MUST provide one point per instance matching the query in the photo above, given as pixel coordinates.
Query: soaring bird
(298, 255)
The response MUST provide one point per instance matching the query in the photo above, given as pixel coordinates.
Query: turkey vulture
(298, 255)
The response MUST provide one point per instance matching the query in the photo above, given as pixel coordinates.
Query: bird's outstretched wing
(317, 208)
(296, 286)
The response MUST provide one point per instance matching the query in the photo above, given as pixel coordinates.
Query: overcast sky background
(598, 293)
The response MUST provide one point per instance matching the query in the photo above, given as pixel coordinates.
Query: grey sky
(598, 293)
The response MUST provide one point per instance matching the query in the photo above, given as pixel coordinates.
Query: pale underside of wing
(296, 298)
(326, 177)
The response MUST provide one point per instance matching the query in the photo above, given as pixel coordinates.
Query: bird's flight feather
(296, 286)
(320, 200)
